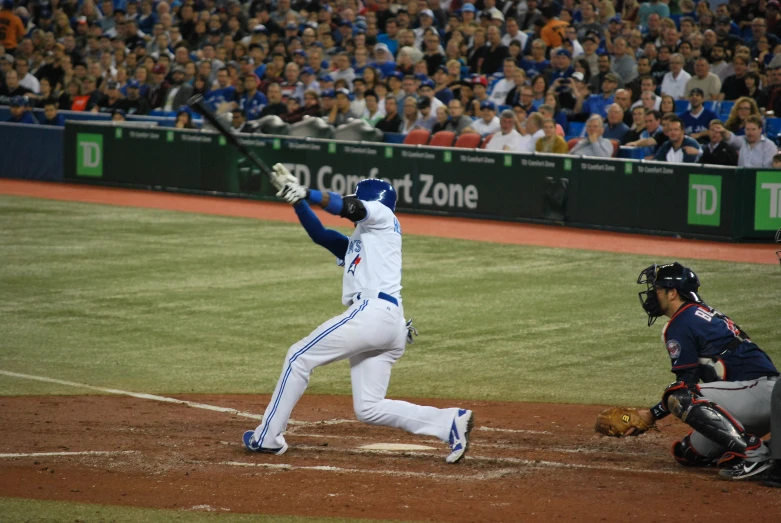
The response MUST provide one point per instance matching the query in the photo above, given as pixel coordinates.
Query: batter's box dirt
(531, 463)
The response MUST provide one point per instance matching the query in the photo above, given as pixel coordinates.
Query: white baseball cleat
(459, 435)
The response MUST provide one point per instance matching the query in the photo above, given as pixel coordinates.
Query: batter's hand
(281, 176)
(292, 193)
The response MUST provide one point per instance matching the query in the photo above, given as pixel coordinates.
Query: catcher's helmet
(374, 190)
(668, 276)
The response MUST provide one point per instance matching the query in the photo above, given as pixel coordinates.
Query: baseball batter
(730, 410)
(371, 333)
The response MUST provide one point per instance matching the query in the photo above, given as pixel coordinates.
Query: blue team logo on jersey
(674, 348)
(353, 265)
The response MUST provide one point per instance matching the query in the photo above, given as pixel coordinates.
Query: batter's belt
(380, 295)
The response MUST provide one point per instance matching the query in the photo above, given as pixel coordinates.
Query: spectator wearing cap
(425, 19)
(426, 90)
(309, 80)
(442, 85)
(704, 80)
(653, 6)
(615, 128)
(19, 111)
(488, 122)
(623, 63)
(51, 115)
(675, 81)
(496, 52)
(276, 106)
(135, 103)
(426, 115)
(358, 103)
(597, 103)
(391, 121)
(327, 102)
(282, 13)
(594, 144)
(724, 27)
(678, 148)
(11, 88)
(178, 91)
(716, 151)
(734, 86)
(13, 28)
(696, 120)
(118, 115)
(479, 95)
(507, 138)
(562, 65)
(251, 100)
(112, 99)
(383, 59)
(340, 112)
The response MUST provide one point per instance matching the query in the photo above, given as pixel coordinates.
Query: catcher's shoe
(773, 478)
(252, 445)
(745, 470)
(459, 435)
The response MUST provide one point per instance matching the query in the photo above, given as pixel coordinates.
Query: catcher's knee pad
(684, 453)
(705, 417)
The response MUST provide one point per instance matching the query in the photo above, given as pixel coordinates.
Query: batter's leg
(332, 341)
(775, 423)
(370, 373)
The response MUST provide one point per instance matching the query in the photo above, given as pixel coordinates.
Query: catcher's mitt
(615, 421)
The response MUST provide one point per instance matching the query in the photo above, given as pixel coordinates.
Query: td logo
(767, 210)
(704, 200)
(89, 155)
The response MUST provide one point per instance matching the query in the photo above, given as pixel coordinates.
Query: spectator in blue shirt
(252, 101)
(598, 103)
(697, 119)
(388, 38)
(19, 111)
(51, 115)
(679, 148)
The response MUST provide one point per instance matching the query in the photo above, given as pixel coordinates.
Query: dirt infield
(528, 462)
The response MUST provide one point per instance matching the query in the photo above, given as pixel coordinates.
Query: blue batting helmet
(374, 190)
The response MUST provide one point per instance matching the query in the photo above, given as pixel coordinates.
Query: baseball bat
(198, 105)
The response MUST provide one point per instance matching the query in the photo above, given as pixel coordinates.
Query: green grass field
(166, 303)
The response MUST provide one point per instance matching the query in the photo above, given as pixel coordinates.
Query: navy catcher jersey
(706, 345)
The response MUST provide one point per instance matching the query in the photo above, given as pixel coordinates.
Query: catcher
(730, 410)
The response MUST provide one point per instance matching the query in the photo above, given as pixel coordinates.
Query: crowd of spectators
(529, 73)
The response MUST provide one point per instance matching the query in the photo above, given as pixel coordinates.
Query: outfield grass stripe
(83, 453)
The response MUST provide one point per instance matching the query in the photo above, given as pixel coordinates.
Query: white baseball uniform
(371, 333)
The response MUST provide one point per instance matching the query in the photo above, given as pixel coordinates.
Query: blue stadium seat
(503, 107)
(726, 107)
(712, 105)
(681, 106)
(159, 112)
(677, 20)
(576, 129)
(773, 128)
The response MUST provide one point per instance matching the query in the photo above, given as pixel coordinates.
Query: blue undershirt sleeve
(334, 241)
(334, 203)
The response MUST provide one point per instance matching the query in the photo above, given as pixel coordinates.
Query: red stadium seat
(468, 141)
(486, 140)
(572, 142)
(417, 137)
(616, 147)
(443, 139)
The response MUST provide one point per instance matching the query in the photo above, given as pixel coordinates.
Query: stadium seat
(572, 142)
(468, 141)
(417, 137)
(681, 106)
(576, 128)
(712, 105)
(773, 128)
(443, 139)
(311, 128)
(357, 131)
(726, 107)
(486, 140)
(616, 147)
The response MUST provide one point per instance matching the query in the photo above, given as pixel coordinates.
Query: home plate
(395, 446)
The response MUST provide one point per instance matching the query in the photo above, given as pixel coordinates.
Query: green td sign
(89, 155)
(767, 209)
(704, 200)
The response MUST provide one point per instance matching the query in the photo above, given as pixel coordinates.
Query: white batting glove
(292, 192)
(281, 176)
(411, 330)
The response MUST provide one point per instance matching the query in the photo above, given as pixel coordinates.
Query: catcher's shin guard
(684, 453)
(707, 418)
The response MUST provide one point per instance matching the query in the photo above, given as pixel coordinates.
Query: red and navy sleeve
(682, 347)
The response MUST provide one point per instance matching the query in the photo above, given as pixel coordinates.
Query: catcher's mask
(668, 276)
(778, 240)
